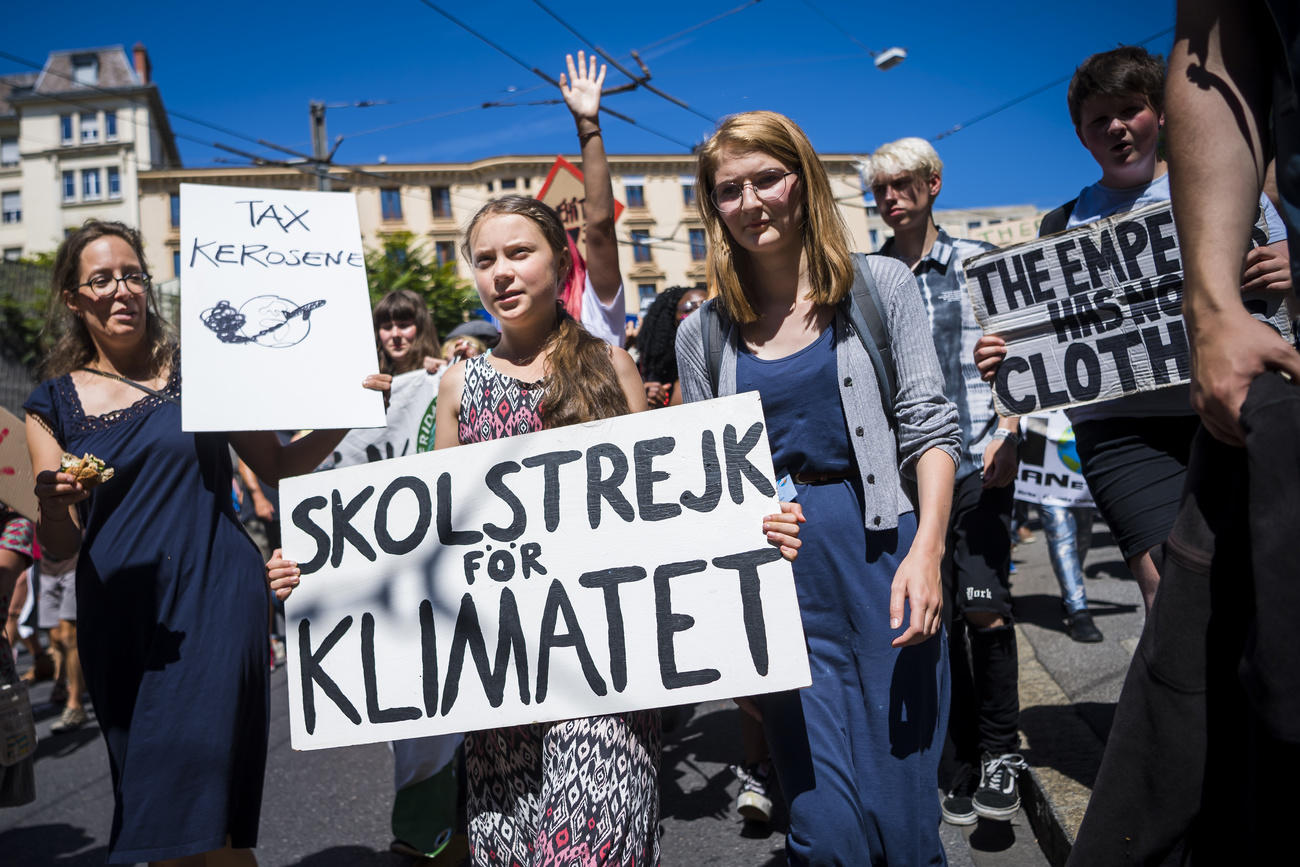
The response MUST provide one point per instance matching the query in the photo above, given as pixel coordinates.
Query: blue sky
(253, 68)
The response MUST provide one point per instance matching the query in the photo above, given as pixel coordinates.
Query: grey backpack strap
(865, 313)
(711, 319)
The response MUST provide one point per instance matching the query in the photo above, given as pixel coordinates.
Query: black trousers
(1205, 745)
(985, 714)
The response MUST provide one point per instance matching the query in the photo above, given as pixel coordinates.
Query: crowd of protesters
(899, 475)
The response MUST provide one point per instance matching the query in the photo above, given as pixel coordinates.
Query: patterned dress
(576, 792)
(17, 781)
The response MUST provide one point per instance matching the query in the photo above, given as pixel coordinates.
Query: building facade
(661, 235)
(1002, 225)
(73, 139)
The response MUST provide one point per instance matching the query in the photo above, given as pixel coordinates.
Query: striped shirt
(942, 282)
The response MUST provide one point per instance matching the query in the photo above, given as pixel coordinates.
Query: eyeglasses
(103, 285)
(688, 308)
(767, 185)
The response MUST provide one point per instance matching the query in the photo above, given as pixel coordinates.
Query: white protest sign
(1093, 313)
(592, 569)
(412, 403)
(1049, 470)
(275, 314)
(17, 485)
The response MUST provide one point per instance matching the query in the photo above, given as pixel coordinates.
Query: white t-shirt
(604, 321)
(1098, 201)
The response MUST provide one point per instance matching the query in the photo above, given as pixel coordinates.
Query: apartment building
(73, 139)
(663, 242)
(662, 237)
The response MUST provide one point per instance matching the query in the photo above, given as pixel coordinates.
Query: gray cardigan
(886, 457)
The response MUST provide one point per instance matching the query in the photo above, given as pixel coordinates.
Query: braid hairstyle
(581, 384)
(658, 336)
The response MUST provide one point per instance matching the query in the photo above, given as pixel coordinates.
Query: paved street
(1068, 690)
(330, 807)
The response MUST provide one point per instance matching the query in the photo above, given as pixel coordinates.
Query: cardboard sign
(17, 485)
(592, 569)
(412, 404)
(563, 191)
(1006, 233)
(1049, 463)
(275, 315)
(1093, 313)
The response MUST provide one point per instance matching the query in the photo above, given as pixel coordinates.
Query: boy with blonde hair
(905, 177)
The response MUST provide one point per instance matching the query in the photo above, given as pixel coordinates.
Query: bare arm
(262, 507)
(1002, 456)
(271, 461)
(57, 527)
(446, 430)
(917, 578)
(581, 91)
(1217, 103)
(629, 378)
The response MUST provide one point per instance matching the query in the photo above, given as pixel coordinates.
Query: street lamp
(889, 58)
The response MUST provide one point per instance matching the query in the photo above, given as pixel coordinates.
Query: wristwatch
(1008, 435)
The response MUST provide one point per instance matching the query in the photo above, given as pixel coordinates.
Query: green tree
(24, 297)
(406, 263)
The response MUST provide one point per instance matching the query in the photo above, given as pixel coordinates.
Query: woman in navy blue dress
(857, 752)
(171, 601)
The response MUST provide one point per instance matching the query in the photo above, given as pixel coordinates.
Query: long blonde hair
(581, 384)
(825, 237)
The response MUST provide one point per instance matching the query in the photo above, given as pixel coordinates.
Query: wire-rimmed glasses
(767, 185)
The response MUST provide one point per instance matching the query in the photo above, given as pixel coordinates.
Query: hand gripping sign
(1092, 313)
(598, 568)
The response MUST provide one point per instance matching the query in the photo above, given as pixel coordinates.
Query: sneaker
(1081, 628)
(753, 802)
(72, 719)
(1024, 535)
(998, 797)
(957, 805)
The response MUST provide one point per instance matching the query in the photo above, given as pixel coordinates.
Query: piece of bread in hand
(87, 469)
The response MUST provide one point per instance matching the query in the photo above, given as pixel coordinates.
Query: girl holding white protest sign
(547, 372)
(424, 797)
(856, 753)
(170, 601)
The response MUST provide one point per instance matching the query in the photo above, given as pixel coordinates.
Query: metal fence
(23, 293)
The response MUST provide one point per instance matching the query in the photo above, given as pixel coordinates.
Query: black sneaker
(998, 796)
(754, 801)
(1081, 628)
(958, 806)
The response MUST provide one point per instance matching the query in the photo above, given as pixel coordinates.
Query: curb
(1063, 757)
(1049, 827)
